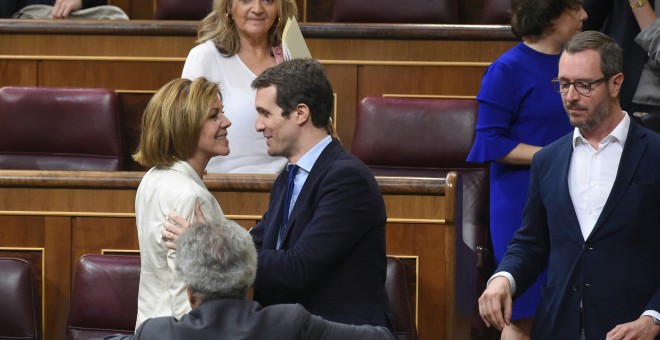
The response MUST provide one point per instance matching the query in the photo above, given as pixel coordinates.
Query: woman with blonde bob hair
(238, 40)
(183, 126)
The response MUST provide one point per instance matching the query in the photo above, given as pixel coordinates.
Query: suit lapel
(563, 162)
(630, 158)
(327, 156)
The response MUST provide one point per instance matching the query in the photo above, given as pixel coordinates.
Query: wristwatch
(637, 4)
(655, 320)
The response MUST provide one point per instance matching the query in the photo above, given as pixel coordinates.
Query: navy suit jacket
(615, 272)
(333, 258)
(242, 319)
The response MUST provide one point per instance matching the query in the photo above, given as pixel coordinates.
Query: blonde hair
(173, 120)
(219, 26)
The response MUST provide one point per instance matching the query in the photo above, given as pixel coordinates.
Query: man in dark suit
(327, 250)
(592, 214)
(218, 263)
(321, 243)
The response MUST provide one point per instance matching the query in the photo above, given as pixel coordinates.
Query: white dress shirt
(305, 164)
(592, 172)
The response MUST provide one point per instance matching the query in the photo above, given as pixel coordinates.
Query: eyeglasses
(581, 86)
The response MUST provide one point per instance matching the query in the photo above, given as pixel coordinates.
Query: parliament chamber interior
(405, 79)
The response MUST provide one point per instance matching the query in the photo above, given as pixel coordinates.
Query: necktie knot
(292, 169)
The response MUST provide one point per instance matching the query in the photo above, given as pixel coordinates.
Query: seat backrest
(399, 292)
(104, 297)
(495, 12)
(396, 11)
(182, 9)
(59, 129)
(17, 305)
(414, 133)
(429, 138)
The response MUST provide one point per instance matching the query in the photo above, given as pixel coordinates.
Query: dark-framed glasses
(581, 86)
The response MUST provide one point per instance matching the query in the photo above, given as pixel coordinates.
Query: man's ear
(302, 114)
(617, 81)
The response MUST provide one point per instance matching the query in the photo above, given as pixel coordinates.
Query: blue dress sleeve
(499, 100)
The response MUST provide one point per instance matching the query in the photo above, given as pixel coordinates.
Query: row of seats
(79, 129)
(389, 11)
(59, 129)
(104, 298)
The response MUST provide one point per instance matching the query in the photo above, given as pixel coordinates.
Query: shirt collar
(306, 162)
(620, 133)
(185, 168)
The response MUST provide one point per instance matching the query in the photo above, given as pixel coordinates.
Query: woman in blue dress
(519, 113)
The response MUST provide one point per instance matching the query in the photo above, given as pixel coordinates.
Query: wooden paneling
(91, 234)
(69, 214)
(18, 73)
(419, 80)
(136, 9)
(427, 241)
(344, 84)
(82, 45)
(405, 50)
(120, 75)
(58, 273)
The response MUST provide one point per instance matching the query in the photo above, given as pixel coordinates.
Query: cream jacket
(162, 190)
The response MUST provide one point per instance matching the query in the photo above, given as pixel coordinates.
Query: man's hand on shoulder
(175, 225)
(495, 303)
(642, 329)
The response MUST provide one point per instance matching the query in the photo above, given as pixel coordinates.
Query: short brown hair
(300, 81)
(173, 120)
(219, 26)
(611, 56)
(532, 17)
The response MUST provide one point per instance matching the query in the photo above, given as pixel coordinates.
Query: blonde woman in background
(237, 41)
(183, 126)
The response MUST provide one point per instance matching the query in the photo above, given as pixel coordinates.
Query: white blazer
(162, 190)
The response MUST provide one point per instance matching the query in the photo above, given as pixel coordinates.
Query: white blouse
(248, 150)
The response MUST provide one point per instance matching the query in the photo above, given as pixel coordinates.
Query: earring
(230, 19)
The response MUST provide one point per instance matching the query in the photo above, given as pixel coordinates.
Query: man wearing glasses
(592, 214)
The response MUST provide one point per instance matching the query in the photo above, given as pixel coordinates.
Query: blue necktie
(292, 169)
